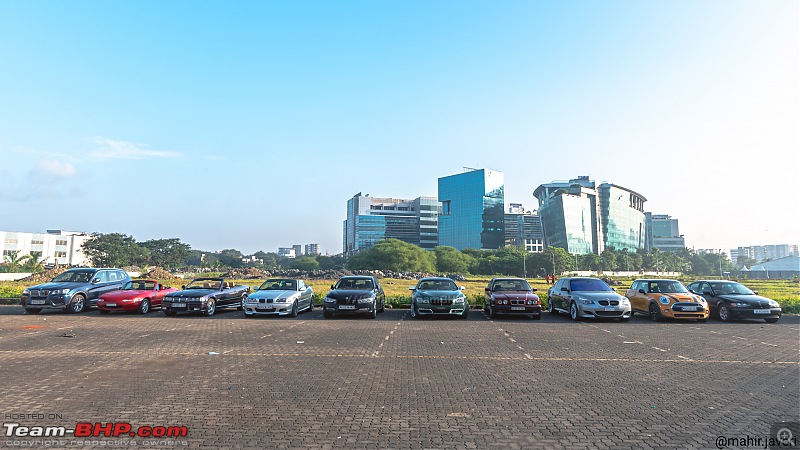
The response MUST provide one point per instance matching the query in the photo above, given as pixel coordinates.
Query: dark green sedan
(438, 297)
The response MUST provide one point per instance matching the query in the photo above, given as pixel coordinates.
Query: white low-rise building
(54, 246)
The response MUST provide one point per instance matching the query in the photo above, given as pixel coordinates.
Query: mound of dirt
(157, 273)
(45, 276)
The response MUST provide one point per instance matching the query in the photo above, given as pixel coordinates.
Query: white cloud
(111, 149)
(51, 168)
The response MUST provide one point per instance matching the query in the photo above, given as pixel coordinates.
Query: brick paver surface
(396, 382)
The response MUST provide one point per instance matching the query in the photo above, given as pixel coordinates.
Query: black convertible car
(730, 300)
(205, 295)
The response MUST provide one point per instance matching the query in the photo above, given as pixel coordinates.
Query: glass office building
(472, 210)
(582, 218)
(661, 232)
(372, 219)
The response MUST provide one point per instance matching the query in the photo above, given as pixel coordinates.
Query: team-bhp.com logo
(97, 429)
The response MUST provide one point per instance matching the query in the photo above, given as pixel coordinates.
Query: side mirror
(487, 289)
(119, 288)
(255, 288)
(533, 289)
(641, 291)
(755, 292)
(95, 280)
(183, 286)
(462, 288)
(332, 287)
(412, 288)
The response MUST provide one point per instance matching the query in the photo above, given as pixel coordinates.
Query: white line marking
(771, 345)
(659, 349)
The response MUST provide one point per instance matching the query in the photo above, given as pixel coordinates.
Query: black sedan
(730, 300)
(355, 294)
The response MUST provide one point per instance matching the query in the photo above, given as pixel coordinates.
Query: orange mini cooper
(666, 299)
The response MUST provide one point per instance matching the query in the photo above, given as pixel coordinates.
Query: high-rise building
(472, 210)
(767, 252)
(371, 219)
(312, 249)
(287, 252)
(298, 250)
(523, 229)
(582, 217)
(55, 246)
(662, 232)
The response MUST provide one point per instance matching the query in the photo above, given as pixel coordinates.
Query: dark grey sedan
(730, 300)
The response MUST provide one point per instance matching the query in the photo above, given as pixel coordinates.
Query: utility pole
(554, 262)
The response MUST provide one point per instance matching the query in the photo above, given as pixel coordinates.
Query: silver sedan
(280, 297)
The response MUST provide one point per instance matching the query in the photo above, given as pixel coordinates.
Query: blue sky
(248, 125)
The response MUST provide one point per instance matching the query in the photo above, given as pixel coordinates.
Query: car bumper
(185, 307)
(749, 313)
(349, 309)
(604, 312)
(271, 309)
(114, 306)
(433, 310)
(518, 309)
(679, 312)
(52, 301)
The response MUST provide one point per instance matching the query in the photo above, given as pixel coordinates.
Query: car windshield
(137, 285)
(666, 287)
(279, 284)
(74, 276)
(355, 283)
(437, 285)
(511, 285)
(589, 284)
(730, 287)
(204, 284)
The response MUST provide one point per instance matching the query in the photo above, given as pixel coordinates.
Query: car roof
(655, 279)
(358, 277)
(509, 279)
(436, 279)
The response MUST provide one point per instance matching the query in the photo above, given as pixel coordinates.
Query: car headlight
(664, 300)
(422, 300)
(700, 299)
(329, 300)
(26, 292)
(249, 299)
(624, 300)
(740, 305)
(366, 300)
(584, 301)
(774, 304)
(459, 300)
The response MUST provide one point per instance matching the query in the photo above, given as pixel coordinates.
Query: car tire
(771, 320)
(486, 307)
(414, 313)
(655, 314)
(311, 305)
(241, 303)
(383, 307)
(211, 308)
(33, 310)
(327, 314)
(374, 313)
(550, 308)
(294, 309)
(144, 307)
(76, 305)
(466, 314)
(169, 313)
(724, 313)
(573, 311)
(626, 319)
(492, 313)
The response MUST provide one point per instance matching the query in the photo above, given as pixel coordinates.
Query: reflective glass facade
(661, 232)
(472, 210)
(371, 219)
(621, 217)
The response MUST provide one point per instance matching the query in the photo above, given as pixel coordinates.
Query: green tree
(16, 260)
(450, 260)
(305, 263)
(34, 263)
(115, 250)
(230, 258)
(331, 262)
(167, 252)
(394, 255)
(608, 260)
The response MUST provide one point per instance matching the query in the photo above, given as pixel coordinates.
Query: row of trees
(119, 250)
(17, 262)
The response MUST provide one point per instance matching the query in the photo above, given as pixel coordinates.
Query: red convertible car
(136, 295)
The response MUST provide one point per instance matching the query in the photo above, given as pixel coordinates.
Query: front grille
(441, 302)
(346, 301)
(262, 300)
(680, 306)
(607, 302)
(517, 302)
(39, 293)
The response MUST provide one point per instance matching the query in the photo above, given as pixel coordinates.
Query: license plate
(37, 302)
(111, 305)
(689, 308)
(609, 308)
(518, 308)
(761, 311)
(347, 307)
(265, 308)
(179, 305)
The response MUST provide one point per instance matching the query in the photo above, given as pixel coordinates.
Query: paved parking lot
(396, 382)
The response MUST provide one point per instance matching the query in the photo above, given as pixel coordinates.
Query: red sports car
(136, 295)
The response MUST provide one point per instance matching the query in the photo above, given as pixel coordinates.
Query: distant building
(661, 232)
(286, 252)
(372, 219)
(55, 246)
(298, 250)
(472, 210)
(787, 267)
(523, 229)
(767, 252)
(312, 249)
(582, 217)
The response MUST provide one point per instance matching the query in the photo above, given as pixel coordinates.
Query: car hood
(272, 295)
(755, 300)
(449, 295)
(515, 295)
(62, 285)
(347, 294)
(676, 297)
(193, 293)
(127, 294)
(594, 295)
